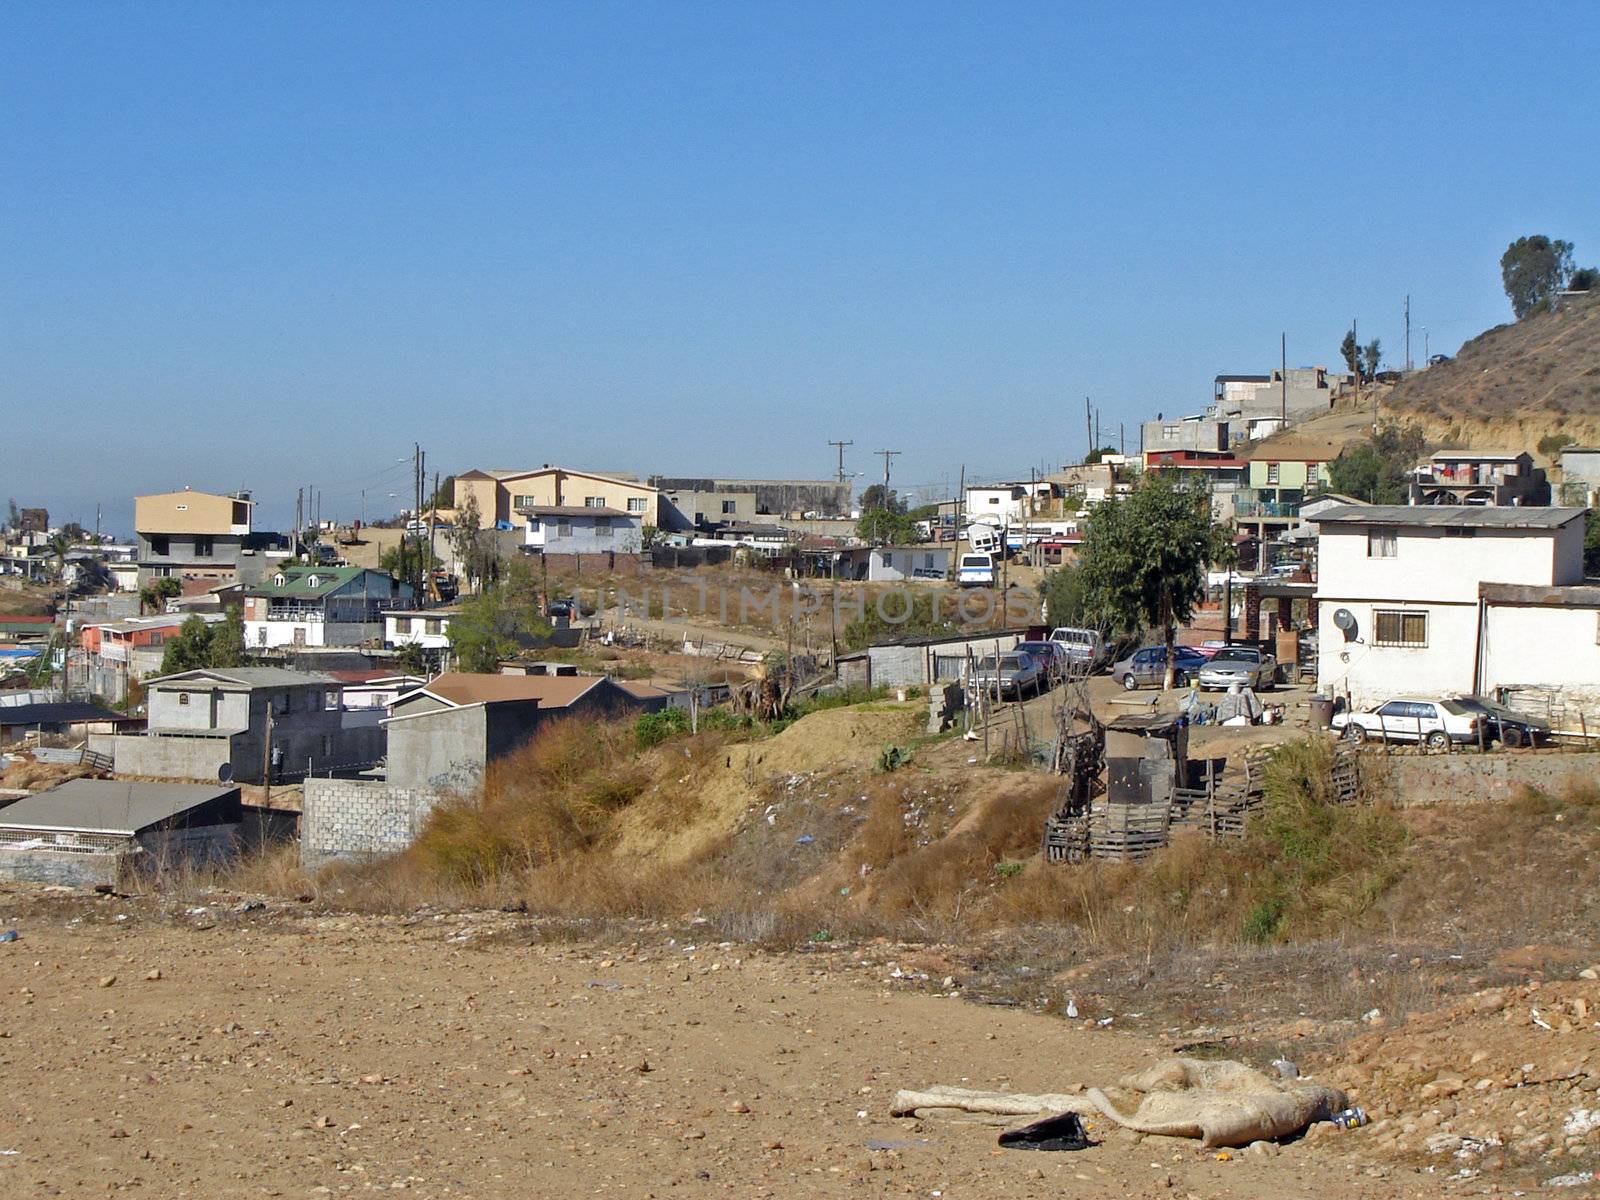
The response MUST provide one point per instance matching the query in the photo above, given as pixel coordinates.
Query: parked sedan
(1244, 665)
(1506, 725)
(1012, 674)
(1051, 657)
(1150, 666)
(1435, 723)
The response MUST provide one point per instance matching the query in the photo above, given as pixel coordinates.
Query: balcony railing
(1266, 508)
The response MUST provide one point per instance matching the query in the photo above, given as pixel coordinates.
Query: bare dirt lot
(208, 1050)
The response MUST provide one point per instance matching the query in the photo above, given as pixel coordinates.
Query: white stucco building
(425, 627)
(1434, 601)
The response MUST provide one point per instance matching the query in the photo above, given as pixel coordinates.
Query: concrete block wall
(59, 867)
(1467, 777)
(359, 818)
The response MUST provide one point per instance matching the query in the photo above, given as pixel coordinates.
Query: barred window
(1392, 627)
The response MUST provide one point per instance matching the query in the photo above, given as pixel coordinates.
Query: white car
(1437, 724)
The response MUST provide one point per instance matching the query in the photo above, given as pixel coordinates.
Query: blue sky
(276, 244)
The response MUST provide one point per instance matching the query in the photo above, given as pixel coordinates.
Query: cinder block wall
(359, 818)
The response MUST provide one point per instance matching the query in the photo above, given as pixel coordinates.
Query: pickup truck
(1083, 646)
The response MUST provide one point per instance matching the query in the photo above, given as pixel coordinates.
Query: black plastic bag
(1064, 1132)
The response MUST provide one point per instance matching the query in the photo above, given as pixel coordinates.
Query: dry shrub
(598, 886)
(271, 870)
(945, 877)
(551, 798)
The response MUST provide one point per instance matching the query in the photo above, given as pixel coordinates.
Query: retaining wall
(1467, 777)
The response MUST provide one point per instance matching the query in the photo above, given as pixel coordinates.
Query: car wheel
(1129, 683)
(1512, 737)
(1437, 740)
(1355, 733)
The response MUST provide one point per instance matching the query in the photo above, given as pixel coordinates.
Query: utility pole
(1122, 439)
(1408, 332)
(1283, 379)
(1425, 355)
(841, 446)
(416, 513)
(299, 514)
(1088, 428)
(887, 455)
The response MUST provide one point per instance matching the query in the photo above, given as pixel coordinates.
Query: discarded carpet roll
(1004, 1104)
(1221, 1103)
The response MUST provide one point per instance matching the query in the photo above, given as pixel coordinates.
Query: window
(1396, 627)
(563, 527)
(594, 501)
(1272, 474)
(1311, 473)
(1382, 542)
(1169, 433)
(602, 527)
(327, 745)
(183, 699)
(994, 499)
(160, 545)
(202, 547)
(927, 561)
(729, 506)
(524, 501)
(636, 504)
(402, 624)
(433, 625)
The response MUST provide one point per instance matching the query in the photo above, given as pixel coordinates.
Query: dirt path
(298, 1055)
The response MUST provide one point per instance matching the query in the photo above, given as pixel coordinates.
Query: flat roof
(116, 806)
(251, 677)
(571, 510)
(58, 712)
(1449, 516)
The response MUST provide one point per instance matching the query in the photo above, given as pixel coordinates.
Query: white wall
(1370, 674)
(316, 633)
(1543, 647)
(418, 635)
(1428, 566)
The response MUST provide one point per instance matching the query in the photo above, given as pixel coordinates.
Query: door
(1147, 665)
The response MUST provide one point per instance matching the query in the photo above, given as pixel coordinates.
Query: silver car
(1244, 665)
(1014, 674)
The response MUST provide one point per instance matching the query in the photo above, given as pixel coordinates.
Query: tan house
(506, 495)
(192, 535)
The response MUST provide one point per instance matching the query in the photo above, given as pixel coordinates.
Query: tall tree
(1350, 351)
(1585, 279)
(878, 496)
(885, 527)
(1065, 596)
(1371, 353)
(473, 550)
(1533, 270)
(1145, 555)
(1378, 469)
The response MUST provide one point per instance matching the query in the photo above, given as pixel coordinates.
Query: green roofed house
(320, 606)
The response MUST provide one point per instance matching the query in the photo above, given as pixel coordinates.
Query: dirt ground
(209, 1050)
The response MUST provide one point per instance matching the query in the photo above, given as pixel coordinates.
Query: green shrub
(653, 728)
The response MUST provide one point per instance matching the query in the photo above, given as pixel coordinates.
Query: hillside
(1508, 388)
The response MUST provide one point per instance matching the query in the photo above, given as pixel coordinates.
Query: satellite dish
(1345, 621)
(225, 773)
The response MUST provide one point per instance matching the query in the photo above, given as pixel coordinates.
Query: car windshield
(1458, 708)
(1237, 654)
(1034, 647)
(1013, 662)
(986, 663)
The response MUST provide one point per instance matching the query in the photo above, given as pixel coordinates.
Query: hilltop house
(1435, 600)
(199, 536)
(892, 564)
(570, 529)
(1479, 477)
(320, 606)
(506, 499)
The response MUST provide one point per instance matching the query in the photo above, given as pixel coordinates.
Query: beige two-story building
(508, 495)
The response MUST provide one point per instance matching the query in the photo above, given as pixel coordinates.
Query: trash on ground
(9, 935)
(1062, 1132)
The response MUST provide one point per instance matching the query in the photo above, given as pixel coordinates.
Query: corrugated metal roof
(247, 677)
(108, 805)
(1449, 516)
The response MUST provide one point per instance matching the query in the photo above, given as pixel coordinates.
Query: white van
(976, 570)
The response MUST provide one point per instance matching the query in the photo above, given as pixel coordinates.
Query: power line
(842, 477)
